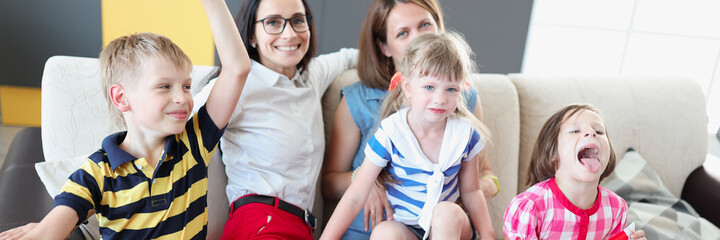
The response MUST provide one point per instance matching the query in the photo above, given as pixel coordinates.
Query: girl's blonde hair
(124, 59)
(445, 55)
(543, 161)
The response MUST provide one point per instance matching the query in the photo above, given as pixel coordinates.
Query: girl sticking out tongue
(571, 156)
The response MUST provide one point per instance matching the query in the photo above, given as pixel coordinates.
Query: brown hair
(245, 21)
(122, 61)
(542, 163)
(374, 68)
(443, 55)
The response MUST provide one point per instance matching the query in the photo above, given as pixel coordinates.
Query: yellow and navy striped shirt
(133, 200)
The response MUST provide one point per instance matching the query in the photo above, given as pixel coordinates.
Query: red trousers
(262, 221)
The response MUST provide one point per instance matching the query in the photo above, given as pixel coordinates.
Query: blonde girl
(426, 151)
(389, 26)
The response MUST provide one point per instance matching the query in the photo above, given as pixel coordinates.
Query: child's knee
(448, 214)
(388, 230)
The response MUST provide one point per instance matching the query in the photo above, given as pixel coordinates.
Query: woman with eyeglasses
(273, 154)
(390, 25)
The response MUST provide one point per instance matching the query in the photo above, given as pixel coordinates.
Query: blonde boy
(151, 181)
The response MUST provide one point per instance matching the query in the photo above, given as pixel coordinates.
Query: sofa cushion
(54, 174)
(663, 117)
(652, 206)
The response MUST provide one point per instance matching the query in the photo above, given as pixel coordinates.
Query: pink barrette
(394, 81)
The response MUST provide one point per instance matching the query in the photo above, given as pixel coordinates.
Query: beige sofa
(663, 118)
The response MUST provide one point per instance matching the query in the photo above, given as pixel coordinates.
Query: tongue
(592, 164)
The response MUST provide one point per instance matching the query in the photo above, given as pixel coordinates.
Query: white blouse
(274, 142)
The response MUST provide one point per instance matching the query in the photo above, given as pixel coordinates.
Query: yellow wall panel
(20, 106)
(183, 21)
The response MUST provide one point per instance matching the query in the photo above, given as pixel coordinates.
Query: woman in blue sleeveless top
(389, 26)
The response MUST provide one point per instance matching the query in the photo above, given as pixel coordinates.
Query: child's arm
(61, 220)
(235, 63)
(344, 143)
(58, 224)
(352, 201)
(474, 199)
(520, 219)
(488, 186)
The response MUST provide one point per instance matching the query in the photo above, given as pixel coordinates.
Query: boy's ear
(119, 98)
(384, 48)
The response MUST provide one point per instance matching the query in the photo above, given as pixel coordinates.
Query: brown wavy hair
(374, 68)
(543, 161)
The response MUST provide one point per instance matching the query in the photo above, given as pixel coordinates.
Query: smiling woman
(274, 143)
(281, 51)
(389, 26)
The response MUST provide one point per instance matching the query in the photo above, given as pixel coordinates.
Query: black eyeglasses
(276, 25)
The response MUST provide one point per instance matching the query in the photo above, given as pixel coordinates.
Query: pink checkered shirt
(543, 212)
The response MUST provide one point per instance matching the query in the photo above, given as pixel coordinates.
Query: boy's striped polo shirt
(134, 201)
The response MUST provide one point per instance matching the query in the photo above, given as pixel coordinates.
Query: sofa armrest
(701, 190)
(25, 149)
(24, 198)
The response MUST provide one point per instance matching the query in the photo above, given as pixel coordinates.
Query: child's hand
(638, 235)
(376, 203)
(18, 232)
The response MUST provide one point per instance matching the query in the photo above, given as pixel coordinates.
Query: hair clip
(394, 81)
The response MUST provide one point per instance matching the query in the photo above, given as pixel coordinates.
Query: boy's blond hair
(122, 61)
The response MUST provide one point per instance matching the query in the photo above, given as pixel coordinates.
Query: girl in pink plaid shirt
(571, 156)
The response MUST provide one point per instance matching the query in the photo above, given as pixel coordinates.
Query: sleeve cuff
(210, 133)
(81, 206)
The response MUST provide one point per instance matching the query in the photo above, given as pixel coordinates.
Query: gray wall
(33, 30)
(496, 30)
